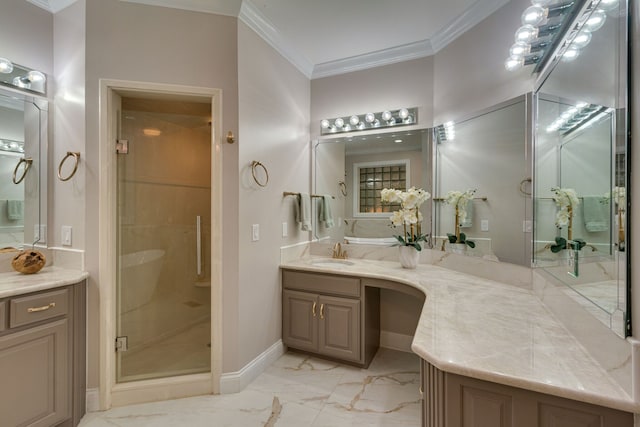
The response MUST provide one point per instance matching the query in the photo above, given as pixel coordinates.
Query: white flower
(562, 217)
(460, 200)
(620, 196)
(397, 218)
(390, 195)
(565, 199)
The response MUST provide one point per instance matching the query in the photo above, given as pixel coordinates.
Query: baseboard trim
(92, 400)
(234, 382)
(396, 341)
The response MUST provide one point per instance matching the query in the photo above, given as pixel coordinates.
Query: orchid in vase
(408, 216)
(566, 200)
(459, 199)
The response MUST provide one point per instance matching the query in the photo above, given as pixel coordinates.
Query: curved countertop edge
(14, 283)
(392, 271)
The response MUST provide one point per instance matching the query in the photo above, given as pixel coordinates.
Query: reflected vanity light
(11, 146)
(368, 121)
(446, 132)
(577, 117)
(543, 25)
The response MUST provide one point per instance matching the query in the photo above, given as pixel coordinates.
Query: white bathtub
(139, 277)
(380, 241)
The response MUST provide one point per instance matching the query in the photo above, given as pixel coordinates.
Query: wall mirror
(23, 144)
(353, 169)
(486, 153)
(580, 169)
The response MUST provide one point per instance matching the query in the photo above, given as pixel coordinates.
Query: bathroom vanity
(42, 348)
(490, 351)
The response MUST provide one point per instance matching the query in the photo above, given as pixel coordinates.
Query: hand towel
(325, 211)
(15, 209)
(303, 211)
(596, 212)
(468, 221)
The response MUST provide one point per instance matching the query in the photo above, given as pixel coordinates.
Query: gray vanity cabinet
(42, 358)
(331, 316)
(451, 400)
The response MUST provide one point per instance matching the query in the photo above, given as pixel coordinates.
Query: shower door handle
(198, 247)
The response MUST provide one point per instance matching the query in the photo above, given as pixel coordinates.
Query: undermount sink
(330, 262)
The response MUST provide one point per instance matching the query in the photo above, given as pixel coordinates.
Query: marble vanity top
(14, 283)
(491, 331)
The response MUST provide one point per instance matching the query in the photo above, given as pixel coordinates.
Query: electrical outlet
(255, 232)
(66, 235)
(285, 229)
(484, 225)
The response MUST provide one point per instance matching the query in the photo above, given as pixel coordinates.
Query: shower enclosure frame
(110, 392)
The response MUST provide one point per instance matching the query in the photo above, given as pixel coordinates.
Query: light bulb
(35, 76)
(607, 5)
(519, 49)
(369, 117)
(376, 123)
(596, 20)
(408, 120)
(347, 127)
(526, 33)
(513, 64)
(582, 39)
(403, 113)
(17, 81)
(386, 115)
(535, 15)
(360, 126)
(324, 124)
(354, 120)
(5, 66)
(570, 54)
(338, 123)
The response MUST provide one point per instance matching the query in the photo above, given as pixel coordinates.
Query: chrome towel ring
(255, 164)
(75, 155)
(27, 164)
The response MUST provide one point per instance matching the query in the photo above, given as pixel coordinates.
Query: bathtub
(380, 241)
(139, 277)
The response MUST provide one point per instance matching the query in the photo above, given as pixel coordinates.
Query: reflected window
(371, 178)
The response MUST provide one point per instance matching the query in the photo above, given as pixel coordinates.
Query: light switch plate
(66, 235)
(484, 225)
(285, 229)
(255, 232)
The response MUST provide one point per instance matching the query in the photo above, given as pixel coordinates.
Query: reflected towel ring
(522, 184)
(74, 154)
(343, 188)
(27, 164)
(254, 165)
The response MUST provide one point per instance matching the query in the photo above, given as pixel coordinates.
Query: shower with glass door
(163, 239)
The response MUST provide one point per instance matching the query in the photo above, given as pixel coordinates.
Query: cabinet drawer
(3, 316)
(326, 284)
(34, 308)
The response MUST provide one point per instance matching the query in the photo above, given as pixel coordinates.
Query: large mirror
(580, 170)
(23, 142)
(353, 170)
(486, 154)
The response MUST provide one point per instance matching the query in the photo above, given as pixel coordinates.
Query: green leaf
(463, 237)
(452, 238)
(471, 243)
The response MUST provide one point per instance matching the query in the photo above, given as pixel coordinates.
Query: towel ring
(343, 188)
(74, 154)
(522, 184)
(27, 164)
(254, 165)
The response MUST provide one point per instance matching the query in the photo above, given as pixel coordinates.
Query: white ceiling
(329, 37)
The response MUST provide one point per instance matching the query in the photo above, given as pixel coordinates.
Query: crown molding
(419, 49)
(216, 7)
(476, 13)
(251, 16)
(52, 6)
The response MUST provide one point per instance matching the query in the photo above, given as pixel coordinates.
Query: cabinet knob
(321, 311)
(313, 309)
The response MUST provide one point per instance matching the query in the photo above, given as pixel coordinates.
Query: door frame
(111, 393)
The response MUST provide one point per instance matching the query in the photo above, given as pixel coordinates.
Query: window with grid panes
(372, 179)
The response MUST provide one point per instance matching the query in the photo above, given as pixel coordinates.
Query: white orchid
(619, 195)
(566, 200)
(408, 214)
(459, 199)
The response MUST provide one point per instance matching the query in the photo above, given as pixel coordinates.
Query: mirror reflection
(580, 172)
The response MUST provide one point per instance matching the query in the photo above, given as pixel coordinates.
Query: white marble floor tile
(296, 391)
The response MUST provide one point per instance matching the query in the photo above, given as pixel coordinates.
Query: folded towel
(15, 209)
(303, 211)
(596, 213)
(468, 221)
(325, 211)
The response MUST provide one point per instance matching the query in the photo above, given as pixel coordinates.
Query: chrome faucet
(337, 252)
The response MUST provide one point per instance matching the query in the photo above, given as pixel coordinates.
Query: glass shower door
(163, 239)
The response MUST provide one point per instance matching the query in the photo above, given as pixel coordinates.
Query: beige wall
(274, 130)
(161, 45)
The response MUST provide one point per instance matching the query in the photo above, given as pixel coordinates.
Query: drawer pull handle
(321, 311)
(313, 309)
(43, 308)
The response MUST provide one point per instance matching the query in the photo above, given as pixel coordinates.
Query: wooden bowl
(28, 262)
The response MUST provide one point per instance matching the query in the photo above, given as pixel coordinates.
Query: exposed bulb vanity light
(6, 66)
(360, 122)
(35, 76)
(596, 20)
(519, 49)
(608, 5)
(535, 15)
(571, 53)
(21, 82)
(575, 117)
(526, 34)
(582, 38)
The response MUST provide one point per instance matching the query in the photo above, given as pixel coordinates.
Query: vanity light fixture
(544, 25)
(369, 121)
(6, 66)
(576, 117)
(14, 75)
(11, 146)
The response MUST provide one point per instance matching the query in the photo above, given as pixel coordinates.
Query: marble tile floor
(297, 390)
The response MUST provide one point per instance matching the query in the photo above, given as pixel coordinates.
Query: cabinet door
(300, 320)
(34, 373)
(339, 327)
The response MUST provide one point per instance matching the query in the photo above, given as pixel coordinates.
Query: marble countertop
(14, 283)
(491, 331)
